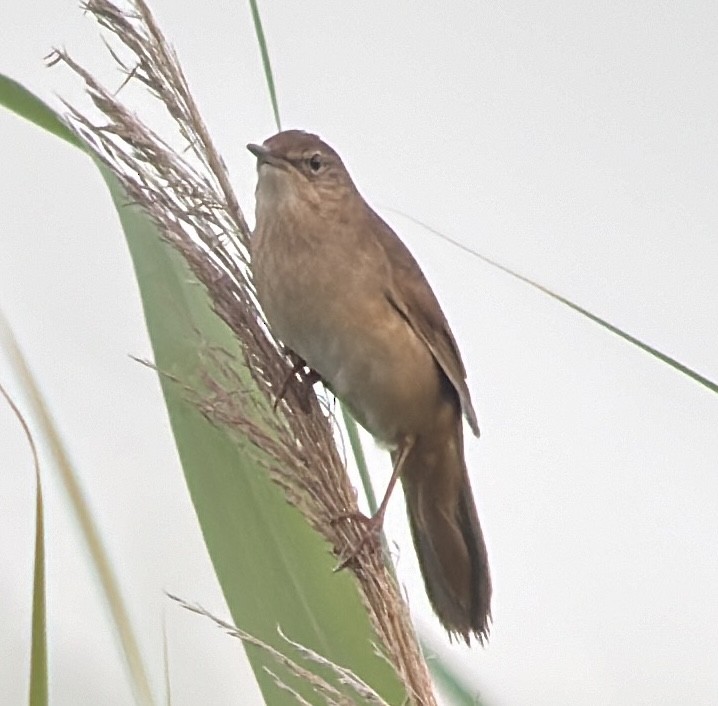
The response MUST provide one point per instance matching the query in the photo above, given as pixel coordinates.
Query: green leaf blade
(274, 570)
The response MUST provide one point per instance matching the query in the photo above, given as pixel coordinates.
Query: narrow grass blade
(360, 459)
(38, 650)
(38, 660)
(452, 684)
(100, 560)
(701, 379)
(269, 76)
(166, 663)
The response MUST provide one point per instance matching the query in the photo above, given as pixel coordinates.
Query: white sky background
(576, 144)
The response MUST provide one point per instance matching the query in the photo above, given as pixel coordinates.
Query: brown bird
(344, 294)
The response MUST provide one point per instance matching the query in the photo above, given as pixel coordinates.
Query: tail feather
(447, 535)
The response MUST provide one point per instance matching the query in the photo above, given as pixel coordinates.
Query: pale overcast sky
(576, 143)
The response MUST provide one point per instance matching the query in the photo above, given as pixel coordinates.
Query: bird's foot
(370, 538)
(308, 379)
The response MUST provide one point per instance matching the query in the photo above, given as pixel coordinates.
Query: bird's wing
(410, 294)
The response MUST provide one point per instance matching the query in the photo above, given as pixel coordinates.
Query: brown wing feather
(412, 296)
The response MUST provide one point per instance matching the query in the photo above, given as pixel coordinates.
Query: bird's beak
(259, 151)
(265, 156)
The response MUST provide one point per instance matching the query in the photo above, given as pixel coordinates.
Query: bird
(343, 294)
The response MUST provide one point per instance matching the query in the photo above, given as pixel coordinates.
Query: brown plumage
(342, 292)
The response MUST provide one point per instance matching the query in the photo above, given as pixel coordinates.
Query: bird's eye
(315, 162)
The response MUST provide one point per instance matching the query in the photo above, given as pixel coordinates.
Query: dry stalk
(191, 200)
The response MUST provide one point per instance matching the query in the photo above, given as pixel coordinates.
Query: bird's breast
(327, 303)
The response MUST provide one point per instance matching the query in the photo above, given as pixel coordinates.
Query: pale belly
(344, 327)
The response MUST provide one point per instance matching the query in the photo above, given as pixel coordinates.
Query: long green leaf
(70, 481)
(273, 569)
(27, 105)
(663, 357)
(38, 650)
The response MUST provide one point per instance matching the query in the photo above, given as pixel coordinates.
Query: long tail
(447, 534)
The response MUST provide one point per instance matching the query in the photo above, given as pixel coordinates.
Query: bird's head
(296, 167)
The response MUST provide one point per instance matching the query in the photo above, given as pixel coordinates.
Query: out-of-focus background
(574, 143)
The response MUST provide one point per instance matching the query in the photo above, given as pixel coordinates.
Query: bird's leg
(373, 525)
(298, 364)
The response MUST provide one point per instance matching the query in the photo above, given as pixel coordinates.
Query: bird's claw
(371, 535)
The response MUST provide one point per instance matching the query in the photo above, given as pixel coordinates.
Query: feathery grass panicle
(191, 200)
(320, 685)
